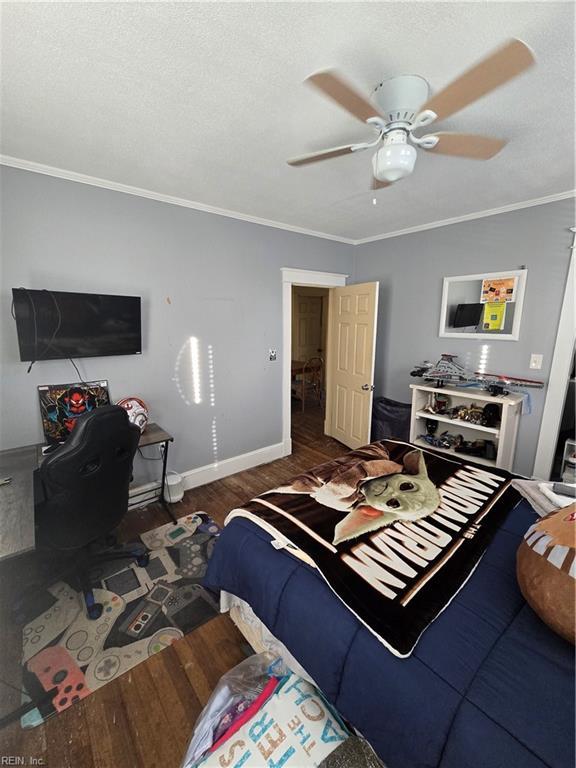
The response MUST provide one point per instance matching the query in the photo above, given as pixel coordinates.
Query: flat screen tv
(467, 315)
(55, 325)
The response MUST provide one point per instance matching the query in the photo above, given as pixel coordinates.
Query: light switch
(272, 355)
(536, 362)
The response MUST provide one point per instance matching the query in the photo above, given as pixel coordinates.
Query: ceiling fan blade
(325, 154)
(333, 86)
(377, 184)
(467, 145)
(493, 71)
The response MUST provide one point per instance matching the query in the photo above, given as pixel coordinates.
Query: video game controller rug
(68, 656)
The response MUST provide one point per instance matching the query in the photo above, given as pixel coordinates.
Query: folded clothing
(241, 713)
(231, 715)
(541, 496)
(559, 500)
(234, 693)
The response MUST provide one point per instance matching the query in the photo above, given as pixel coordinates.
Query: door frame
(559, 375)
(290, 278)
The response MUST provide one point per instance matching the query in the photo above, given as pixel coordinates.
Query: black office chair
(81, 495)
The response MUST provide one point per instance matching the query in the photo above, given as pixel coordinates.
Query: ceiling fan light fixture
(394, 161)
(399, 105)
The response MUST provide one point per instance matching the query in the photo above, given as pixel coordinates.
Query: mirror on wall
(484, 306)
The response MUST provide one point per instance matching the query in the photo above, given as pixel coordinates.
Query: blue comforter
(487, 686)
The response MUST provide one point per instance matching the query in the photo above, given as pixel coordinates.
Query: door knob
(368, 387)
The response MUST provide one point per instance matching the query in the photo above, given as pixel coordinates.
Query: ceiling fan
(400, 105)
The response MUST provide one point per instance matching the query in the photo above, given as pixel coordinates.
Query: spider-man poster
(62, 404)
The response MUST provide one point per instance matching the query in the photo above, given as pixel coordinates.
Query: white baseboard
(216, 471)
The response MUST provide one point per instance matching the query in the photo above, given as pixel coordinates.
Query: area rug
(145, 610)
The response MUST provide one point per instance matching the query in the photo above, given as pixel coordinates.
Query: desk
(17, 501)
(155, 435)
(17, 497)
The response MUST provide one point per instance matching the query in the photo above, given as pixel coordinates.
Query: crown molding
(470, 216)
(61, 173)
(81, 178)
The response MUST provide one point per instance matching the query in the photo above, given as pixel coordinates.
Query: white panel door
(307, 327)
(350, 368)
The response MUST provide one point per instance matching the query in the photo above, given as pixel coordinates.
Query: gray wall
(218, 279)
(410, 269)
(199, 275)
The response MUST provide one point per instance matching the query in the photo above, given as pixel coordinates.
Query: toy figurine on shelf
(487, 416)
(437, 403)
(429, 407)
(448, 371)
(435, 442)
(459, 412)
(472, 413)
(475, 414)
(441, 403)
(485, 449)
(491, 413)
(431, 426)
(445, 440)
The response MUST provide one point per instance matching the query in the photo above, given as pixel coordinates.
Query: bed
(488, 685)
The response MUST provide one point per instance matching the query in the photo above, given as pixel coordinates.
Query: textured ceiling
(204, 101)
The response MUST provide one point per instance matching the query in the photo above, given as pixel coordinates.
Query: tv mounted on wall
(55, 325)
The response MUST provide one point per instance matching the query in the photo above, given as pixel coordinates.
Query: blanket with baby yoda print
(396, 531)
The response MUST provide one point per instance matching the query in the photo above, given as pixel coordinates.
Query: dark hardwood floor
(145, 718)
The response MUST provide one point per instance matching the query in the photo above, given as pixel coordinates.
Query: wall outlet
(536, 362)
(272, 354)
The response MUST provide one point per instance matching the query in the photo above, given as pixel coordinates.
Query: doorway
(310, 305)
(296, 278)
(348, 366)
